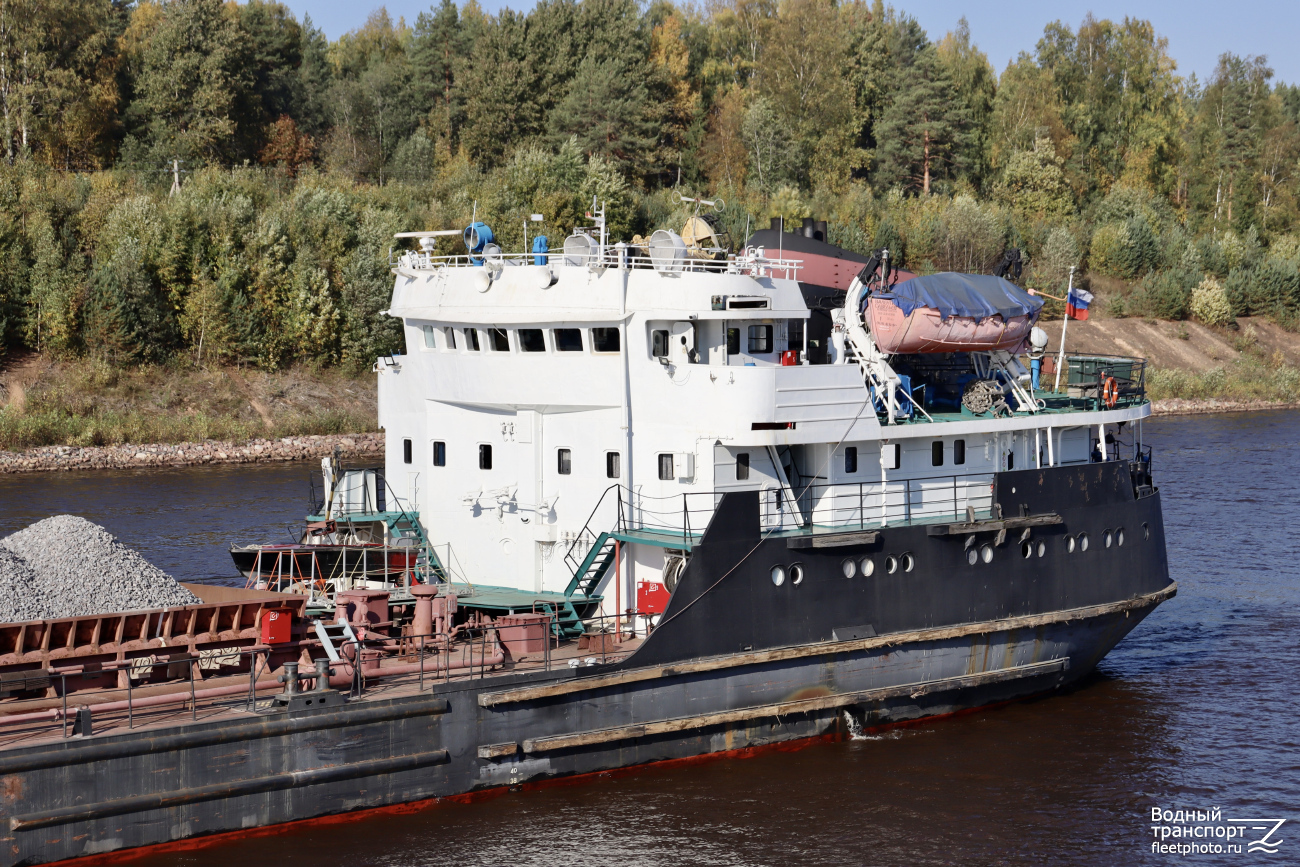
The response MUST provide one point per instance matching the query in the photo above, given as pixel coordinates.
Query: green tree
(975, 83)
(191, 72)
(607, 110)
(1234, 114)
(924, 131)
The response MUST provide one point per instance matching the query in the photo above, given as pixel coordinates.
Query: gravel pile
(78, 568)
(18, 589)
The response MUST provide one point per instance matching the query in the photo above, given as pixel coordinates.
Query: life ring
(1110, 392)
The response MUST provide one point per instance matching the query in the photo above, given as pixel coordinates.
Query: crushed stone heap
(18, 589)
(78, 568)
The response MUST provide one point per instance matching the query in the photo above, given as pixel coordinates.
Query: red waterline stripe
(210, 841)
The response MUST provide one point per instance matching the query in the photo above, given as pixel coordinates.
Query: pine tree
(921, 135)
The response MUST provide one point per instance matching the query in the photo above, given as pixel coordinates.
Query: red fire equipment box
(651, 597)
(275, 627)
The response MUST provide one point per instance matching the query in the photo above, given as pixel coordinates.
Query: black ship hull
(737, 663)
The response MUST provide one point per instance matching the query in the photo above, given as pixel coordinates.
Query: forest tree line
(298, 157)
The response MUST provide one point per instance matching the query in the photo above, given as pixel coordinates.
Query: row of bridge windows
(472, 339)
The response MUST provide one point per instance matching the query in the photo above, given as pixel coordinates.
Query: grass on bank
(1248, 378)
(89, 403)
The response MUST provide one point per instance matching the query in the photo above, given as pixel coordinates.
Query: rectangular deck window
(568, 339)
(429, 342)
(959, 452)
(471, 339)
(659, 343)
(406, 451)
(439, 453)
(531, 340)
(564, 461)
(449, 334)
(742, 466)
(665, 468)
(760, 339)
(499, 339)
(484, 456)
(891, 455)
(936, 453)
(733, 341)
(613, 465)
(605, 340)
(851, 459)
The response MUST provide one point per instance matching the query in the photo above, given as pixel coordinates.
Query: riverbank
(81, 403)
(352, 447)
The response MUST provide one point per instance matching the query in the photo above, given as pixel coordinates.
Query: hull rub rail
(906, 690)
(220, 733)
(255, 786)
(827, 648)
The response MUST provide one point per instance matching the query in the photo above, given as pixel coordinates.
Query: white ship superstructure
(544, 399)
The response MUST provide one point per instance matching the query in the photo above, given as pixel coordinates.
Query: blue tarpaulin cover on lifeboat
(977, 296)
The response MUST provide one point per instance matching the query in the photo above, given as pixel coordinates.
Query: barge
(647, 527)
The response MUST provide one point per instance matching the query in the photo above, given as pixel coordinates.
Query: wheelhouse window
(659, 343)
(449, 335)
(742, 466)
(959, 452)
(484, 456)
(665, 467)
(760, 339)
(406, 451)
(936, 453)
(605, 340)
(439, 453)
(429, 342)
(499, 339)
(733, 341)
(851, 459)
(568, 339)
(532, 340)
(613, 465)
(564, 461)
(471, 339)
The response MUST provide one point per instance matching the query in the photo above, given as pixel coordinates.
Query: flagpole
(1060, 358)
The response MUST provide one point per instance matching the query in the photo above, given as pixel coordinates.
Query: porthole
(909, 562)
(778, 575)
(1027, 550)
(1119, 537)
(1108, 538)
(972, 556)
(868, 567)
(891, 564)
(1042, 549)
(1069, 544)
(1146, 531)
(986, 553)
(849, 567)
(796, 573)
(1083, 541)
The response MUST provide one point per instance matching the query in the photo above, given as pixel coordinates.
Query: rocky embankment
(191, 454)
(1187, 406)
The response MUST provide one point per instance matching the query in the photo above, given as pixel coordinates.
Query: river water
(1196, 709)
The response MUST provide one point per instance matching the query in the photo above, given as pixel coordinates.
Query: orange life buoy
(1110, 392)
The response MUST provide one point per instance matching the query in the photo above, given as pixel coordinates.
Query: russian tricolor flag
(1076, 303)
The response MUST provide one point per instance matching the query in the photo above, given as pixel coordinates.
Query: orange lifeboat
(951, 312)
